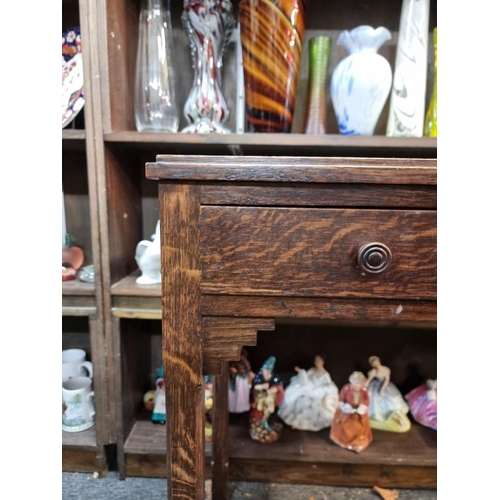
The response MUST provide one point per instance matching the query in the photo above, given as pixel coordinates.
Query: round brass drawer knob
(374, 257)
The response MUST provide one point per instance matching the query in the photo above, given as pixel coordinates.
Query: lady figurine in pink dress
(240, 384)
(423, 403)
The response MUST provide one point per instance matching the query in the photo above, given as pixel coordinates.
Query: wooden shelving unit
(112, 207)
(82, 307)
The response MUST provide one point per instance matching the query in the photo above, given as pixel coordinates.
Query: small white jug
(148, 258)
(77, 404)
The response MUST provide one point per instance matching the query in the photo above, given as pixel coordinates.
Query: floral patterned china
(72, 75)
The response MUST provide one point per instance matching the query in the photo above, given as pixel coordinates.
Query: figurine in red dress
(351, 424)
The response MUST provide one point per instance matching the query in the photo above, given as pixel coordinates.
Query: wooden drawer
(315, 252)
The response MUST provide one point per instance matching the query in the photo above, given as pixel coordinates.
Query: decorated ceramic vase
(148, 258)
(361, 82)
(407, 106)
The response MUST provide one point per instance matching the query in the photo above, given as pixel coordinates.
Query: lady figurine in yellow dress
(388, 409)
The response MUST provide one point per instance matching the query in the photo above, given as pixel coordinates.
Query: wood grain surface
(182, 339)
(293, 169)
(320, 195)
(313, 252)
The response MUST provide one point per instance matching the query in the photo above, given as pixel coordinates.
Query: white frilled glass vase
(361, 82)
(154, 97)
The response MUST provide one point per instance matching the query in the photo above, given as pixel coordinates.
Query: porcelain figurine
(267, 395)
(240, 383)
(423, 403)
(209, 403)
(148, 258)
(388, 409)
(361, 82)
(159, 410)
(351, 426)
(310, 399)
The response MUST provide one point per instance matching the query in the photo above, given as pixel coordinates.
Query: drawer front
(318, 252)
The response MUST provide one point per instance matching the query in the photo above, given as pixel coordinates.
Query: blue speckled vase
(361, 82)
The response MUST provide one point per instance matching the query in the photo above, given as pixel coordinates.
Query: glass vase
(319, 57)
(361, 82)
(272, 34)
(431, 118)
(154, 98)
(407, 106)
(209, 25)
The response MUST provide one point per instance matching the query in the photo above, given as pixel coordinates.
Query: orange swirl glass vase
(272, 34)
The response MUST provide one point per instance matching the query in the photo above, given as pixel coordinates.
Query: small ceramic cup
(74, 364)
(78, 411)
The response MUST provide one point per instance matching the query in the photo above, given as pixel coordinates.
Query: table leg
(220, 436)
(182, 344)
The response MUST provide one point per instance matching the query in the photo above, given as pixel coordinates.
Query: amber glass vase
(272, 34)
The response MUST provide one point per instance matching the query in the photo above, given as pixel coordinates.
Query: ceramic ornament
(148, 258)
(361, 82)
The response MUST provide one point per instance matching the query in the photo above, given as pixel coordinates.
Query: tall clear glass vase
(154, 97)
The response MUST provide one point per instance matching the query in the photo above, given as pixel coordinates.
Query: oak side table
(246, 240)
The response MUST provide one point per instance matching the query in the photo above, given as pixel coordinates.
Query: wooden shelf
(130, 300)
(274, 144)
(77, 287)
(73, 140)
(145, 449)
(80, 452)
(407, 460)
(84, 440)
(78, 298)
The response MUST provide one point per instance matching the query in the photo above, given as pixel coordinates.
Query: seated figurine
(351, 426)
(423, 404)
(388, 409)
(310, 399)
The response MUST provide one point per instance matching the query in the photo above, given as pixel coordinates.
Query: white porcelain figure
(407, 107)
(361, 82)
(387, 410)
(148, 258)
(311, 398)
